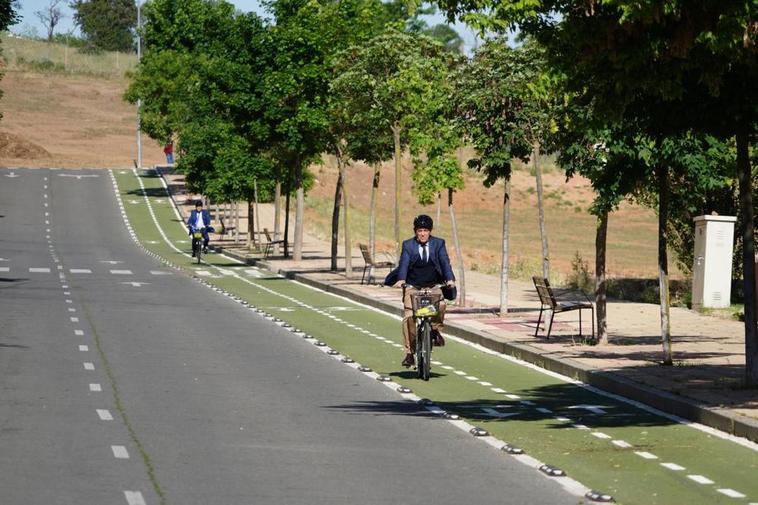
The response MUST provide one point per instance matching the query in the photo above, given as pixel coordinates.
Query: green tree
(679, 66)
(107, 25)
(493, 112)
(385, 79)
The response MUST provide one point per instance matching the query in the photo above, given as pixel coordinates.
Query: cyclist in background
(200, 219)
(423, 263)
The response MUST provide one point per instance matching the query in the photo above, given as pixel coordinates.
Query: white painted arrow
(136, 284)
(494, 413)
(595, 409)
(78, 176)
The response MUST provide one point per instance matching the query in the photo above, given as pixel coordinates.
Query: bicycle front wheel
(424, 345)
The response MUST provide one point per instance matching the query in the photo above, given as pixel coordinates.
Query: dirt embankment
(68, 121)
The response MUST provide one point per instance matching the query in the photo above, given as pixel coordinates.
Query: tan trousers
(409, 327)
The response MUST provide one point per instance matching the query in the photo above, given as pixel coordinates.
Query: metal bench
(555, 303)
(371, 264)
(270, 243)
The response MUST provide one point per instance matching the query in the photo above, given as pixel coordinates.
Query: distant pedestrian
(168, 150)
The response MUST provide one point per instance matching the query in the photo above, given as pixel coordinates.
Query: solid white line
(673, 466)
(700, 479)
(731, 493)
(84, 348)
(95, 387)
(104, 415)
(89, 366)
(120, 452)
(645, 455)
(134, 498)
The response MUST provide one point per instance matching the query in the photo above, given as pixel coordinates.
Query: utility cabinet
(712, 269)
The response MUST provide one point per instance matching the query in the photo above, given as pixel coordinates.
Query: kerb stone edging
(720, 419)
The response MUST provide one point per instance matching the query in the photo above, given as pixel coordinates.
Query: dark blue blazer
(437, 255)
(193, 216)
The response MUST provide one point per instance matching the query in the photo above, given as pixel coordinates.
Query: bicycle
(426, 305)
(197, 243)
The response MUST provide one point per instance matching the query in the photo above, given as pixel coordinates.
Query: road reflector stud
(512, 449)
(597, 496)
(348, 360)
(320, 344)
(452, 417)
(286, 325)
(552, 471)
(404, 390)
(479, 432)
(384, 378)
(305, 335)
(332, 352)
(364, 369)
(425, 401)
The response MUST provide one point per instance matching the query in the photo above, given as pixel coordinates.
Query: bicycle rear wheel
(424, 350)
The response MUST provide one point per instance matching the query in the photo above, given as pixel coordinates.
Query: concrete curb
(721, 419)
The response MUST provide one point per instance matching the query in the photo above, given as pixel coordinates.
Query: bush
(580, 277)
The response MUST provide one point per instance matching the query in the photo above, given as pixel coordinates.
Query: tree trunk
(748, 252)
(346, 225)
(504, 261)
(396, 128)
(601, 236)
(439, 208)
(287, 221)
(336, 215)
(459, 254)
(663, 267)
(277, 213)
(250, 216)
(299, 211)
(237, 221)
(541, 211)
(256, 238)
(372, 210)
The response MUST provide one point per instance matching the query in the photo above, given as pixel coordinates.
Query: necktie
(424, 253)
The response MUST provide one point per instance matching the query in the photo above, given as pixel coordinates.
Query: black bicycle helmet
(423, 221)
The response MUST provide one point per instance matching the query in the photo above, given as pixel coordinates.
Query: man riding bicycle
(200, 220)
(424, 263)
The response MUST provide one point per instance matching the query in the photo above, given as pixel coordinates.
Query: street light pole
(139, 101)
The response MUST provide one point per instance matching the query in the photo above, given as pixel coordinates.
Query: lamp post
(139, 100)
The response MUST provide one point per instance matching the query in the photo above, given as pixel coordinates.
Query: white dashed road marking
(646, 455)
(134, 498)
(89, 366)
(622, 444)
(74, 319)
(731, 493)
(700, 479)
(83, 348)
(5, 269)
(80, 271)
(95, 387)
(121, 272)
(600, 435)
(104, 415)
(78, 332)
(673, 466)
(120, 452)
(34, 270)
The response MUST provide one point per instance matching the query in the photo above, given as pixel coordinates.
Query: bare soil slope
(68, 121)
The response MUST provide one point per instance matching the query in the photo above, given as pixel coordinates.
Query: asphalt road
(124, 381)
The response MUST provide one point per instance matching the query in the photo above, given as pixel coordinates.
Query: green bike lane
(635, 455)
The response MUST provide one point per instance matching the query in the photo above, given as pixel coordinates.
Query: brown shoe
(437, 339)
(409, 361)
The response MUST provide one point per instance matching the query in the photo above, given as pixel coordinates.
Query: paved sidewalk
(704, 384)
